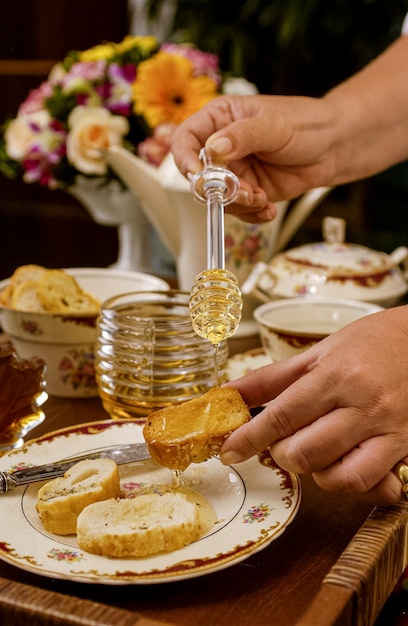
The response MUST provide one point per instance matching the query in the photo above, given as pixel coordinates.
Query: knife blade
(121, 454)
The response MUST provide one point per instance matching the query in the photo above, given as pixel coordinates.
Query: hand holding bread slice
(195, 430)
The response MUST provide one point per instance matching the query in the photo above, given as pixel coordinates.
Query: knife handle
(11, 480)
(123, 453)
(7, 482)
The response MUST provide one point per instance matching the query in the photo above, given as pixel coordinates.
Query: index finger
(265, 383)
(296, 403)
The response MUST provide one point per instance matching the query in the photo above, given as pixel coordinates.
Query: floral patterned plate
(245, 362)
(253, 503)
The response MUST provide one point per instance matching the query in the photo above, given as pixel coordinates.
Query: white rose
(93, 129)
(239, 87)
(20, 136)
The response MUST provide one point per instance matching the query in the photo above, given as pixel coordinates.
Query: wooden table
(335, 564)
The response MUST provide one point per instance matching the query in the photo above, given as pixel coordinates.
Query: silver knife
(121, 454)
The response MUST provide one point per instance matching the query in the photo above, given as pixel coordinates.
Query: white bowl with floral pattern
(66, 342)
(292, 325)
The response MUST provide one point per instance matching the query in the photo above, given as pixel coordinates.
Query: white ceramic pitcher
(181, 223)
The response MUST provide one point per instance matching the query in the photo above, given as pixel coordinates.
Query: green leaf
(60, 104)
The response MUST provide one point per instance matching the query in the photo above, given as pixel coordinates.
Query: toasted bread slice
(5, 295)
(61, 500)
(59, 292)
(139, 526)
(38, 289)
(26, 272)
(23, 274)
(25, 297)
(195, 430)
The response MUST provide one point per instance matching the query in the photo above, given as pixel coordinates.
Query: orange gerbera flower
(165, 89)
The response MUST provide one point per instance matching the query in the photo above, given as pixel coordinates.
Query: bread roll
(61, 500)
(25, 297)
(59, 292)
(40, 290)
(195, 430)
(23, 274)
(140, 526)
(5, 295)
(26, 272)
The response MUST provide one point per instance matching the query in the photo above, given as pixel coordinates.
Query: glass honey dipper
(215, 299)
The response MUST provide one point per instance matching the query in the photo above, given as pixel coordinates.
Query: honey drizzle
(207, 515)
(216, 375)
(175, 478)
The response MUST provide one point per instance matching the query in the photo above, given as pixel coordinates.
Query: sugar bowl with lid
(331, 268)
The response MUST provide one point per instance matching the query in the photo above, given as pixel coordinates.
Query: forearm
(372, 133)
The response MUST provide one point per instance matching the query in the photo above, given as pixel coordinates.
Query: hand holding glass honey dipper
(215, 300)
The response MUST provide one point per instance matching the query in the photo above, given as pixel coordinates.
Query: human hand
(277, 146)
(337, 411)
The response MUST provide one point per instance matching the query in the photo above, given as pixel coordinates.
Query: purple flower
(118, 92)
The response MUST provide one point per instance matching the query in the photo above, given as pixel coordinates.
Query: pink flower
(88, 71)
(66, 364)
(37, 170)
(204, 63)
(35, 99)
(154, 149)
(252, 243)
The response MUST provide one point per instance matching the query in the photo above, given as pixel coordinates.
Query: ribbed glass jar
(148, 355)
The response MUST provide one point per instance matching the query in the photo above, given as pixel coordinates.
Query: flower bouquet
(131, 93)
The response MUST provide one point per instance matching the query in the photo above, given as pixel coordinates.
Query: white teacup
(292, 325)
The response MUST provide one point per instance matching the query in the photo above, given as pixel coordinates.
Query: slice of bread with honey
(139, 526)
(195, 430)
(61, 500)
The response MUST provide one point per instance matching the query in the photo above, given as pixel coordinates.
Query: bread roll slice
(195, 430)
(5, 295)
(59, 292)
(23, 274)
(61, 500)
(140, 526)
(27, 272)
(25, 297)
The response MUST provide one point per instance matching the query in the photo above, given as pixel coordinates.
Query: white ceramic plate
(254, 502)
(245, 362)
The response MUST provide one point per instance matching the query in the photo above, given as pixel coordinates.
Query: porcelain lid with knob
(331, 268)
